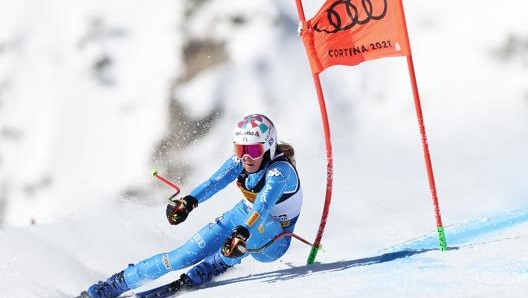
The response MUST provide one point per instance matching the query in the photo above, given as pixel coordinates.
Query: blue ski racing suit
(271, 205)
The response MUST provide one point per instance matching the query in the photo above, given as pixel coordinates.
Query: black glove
(235, 245)
(178, 209)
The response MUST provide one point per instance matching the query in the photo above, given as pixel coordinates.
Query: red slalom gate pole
(427, 156)
(329, 155)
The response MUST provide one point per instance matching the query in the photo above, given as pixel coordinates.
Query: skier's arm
(226, 174)
(178, 209)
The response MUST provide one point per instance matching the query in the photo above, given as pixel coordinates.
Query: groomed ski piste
(487, 257)
(78, 136)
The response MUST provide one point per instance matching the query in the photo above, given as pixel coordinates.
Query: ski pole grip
(160, 178)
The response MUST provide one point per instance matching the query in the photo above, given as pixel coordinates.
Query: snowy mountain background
(95, 94)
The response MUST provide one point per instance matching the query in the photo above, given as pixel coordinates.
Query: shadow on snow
(296, 272)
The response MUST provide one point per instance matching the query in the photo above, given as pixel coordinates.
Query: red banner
(348, 32)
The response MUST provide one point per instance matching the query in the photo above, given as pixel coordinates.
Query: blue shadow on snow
(295, 272)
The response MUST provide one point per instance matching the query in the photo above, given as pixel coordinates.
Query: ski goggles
(254, 150)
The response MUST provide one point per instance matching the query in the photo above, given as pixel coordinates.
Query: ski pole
(283, 234)
(160, 178)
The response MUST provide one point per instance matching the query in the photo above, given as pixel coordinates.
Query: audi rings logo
(343, 15)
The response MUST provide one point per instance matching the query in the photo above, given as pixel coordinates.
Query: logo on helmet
(247, 133)
(255, 121)
(271, 141)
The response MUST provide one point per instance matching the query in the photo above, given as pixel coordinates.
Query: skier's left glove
(178, 209)
(235, 245)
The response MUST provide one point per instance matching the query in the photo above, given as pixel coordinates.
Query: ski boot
(182, 283)
(111, 288)
(211, 266)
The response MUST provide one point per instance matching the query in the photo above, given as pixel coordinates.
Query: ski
(163, 291)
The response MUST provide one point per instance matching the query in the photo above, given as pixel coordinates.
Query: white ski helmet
(256, 129)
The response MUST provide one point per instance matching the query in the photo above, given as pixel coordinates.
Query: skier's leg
(266, 232)
(203, 244)
(216, 264)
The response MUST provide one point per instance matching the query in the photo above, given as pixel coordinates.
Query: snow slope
(76, 133)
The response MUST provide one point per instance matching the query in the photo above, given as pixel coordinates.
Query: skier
(266, 175)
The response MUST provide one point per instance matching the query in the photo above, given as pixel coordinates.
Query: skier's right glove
(235, 244)
(178, 209)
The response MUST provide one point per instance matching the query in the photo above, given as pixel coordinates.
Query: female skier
(272, 198)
